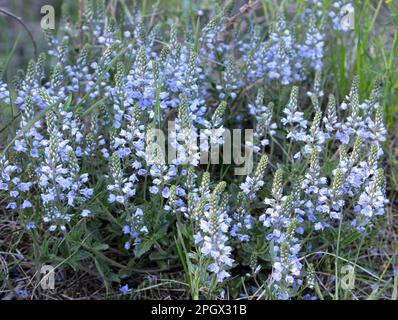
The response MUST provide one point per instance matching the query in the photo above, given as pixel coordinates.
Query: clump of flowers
(213, 236)
(109, 144)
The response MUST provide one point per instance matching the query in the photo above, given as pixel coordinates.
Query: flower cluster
(61, 184)
(282, 56)
(213, 235)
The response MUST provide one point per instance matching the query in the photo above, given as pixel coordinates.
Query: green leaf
(103, 270)
(101, 247)
(143, 247)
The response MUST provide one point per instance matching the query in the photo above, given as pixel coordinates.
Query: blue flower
(125, 289)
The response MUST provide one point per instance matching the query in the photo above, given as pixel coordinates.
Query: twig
(13, 16)
(246, 8)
